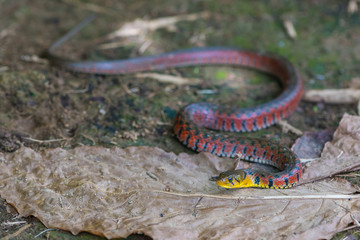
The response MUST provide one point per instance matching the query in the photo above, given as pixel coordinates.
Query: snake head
(232, 179)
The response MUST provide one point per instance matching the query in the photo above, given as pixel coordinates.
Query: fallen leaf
(311, 144)
(116, 192)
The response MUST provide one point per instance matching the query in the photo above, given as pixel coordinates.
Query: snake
(192, 123)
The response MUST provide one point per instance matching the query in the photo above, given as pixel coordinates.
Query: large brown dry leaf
(311, 144)
(116, 192)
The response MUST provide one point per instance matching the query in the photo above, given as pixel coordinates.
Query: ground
(40, 102)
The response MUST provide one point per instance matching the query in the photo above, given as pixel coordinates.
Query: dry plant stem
(46, 230)
(329, 196)
(290, 29)
(5, 224)
(351, 227)
(111, 45)
(348, 175)
(352, 6)
(45, 141)
(286, 127)
(306, 160)
(169, 78)
(34, 59)
(355, 220)
(348, 95)
(140, 26)
(11, 236)
(89, 138)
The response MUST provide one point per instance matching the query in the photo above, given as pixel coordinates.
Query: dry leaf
(340, 155)
(115, 192)
(311, 144)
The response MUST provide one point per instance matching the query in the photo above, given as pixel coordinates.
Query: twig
(153, 176)
(349, 228)
(169, 78)
(71, 33)
(46, 230)
(45, 141)
(340, 154)
(355, 220)
(111, 45)
(89, 138)
(286, 127)
(346, 95)
(304, 197)
(290, 29)
(206, 91)
(33, 59)
(348, 175)
(140, 26)
(352, 6)
(5, 224)
(22, 229)
(306, 160)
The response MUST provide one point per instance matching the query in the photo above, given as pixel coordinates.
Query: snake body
(192, 121)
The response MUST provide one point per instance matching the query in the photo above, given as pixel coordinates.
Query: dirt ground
(46, 107)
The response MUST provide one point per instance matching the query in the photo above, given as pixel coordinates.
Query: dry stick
(5, 224)
(71, 33)
(46, 230)
(355, 220)
(34, 59)
(286, 127)
(305, 197)
(45, 141)
(290, 29)
(168, 78)
(349, 228)
(140, 26)
(22, 229)
(346, 95)
(357, 224)
(348, 175)
(306, 160)
(352, 7)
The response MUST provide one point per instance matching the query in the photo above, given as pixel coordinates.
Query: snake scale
(192, 121)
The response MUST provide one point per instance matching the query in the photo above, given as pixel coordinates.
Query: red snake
(193, 120)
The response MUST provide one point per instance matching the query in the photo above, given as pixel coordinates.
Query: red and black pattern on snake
(192, 121)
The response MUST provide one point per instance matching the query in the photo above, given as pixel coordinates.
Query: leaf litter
(114, 192)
